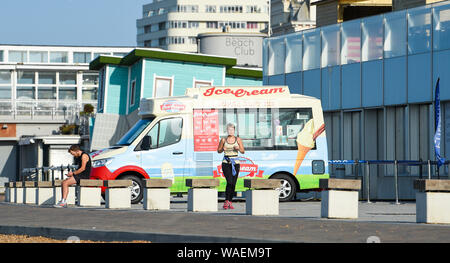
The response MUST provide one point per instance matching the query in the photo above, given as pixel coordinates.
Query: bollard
(368, 181)
(429, 169)
(396, 181)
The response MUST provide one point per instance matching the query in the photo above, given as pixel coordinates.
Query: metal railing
(396, 164)
(45, 173)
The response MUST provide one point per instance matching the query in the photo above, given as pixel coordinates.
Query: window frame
(155, 80)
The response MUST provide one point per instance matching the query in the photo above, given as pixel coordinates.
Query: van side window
(166, 132)
(266, 128)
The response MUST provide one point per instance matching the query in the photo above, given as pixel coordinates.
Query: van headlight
(101, 162)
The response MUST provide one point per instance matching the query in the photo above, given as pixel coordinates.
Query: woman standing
(230, 165)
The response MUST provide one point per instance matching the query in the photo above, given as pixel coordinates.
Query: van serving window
(266, 129)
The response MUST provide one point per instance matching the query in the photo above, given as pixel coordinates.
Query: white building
(175, 24)
(43, 80)
(42, 88)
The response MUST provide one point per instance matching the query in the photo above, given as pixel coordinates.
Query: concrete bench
(44, 193)
(118, 193)
(30, 191)
(9, 192)
(18, 192)
(157, 194)
(340, 198)
(89, 192)
(57, 194)
(262, 198)
(202, 195)
(432, 201)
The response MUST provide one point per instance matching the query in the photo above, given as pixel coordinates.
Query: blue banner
(437, 135)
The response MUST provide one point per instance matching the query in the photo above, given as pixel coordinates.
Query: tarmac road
(298, 222)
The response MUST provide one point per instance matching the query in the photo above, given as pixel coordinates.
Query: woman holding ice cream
(231, 146)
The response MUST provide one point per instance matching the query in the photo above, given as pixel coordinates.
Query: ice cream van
(177, 138)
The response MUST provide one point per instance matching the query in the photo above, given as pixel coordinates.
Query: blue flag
(437, 135)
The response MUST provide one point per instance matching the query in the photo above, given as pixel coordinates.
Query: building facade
(42, 88)
(150, 73)
(175, 24)
(376, 78)
(288, 16)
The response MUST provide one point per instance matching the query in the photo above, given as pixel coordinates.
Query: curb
(108, 236)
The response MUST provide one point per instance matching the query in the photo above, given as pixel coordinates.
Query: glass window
(351, 42)
(441, 19)
(26, 93)
(169, 131)
(96, 55)
(5, 77)
(372, 38)
(18, 56)
(47, 77)
(163, 87)
(166, 132)
(395, 34)
(276, 56)
(81, 57)
(133, 93)
(419, 30)
(90, 78)
(25, 77)
(330, 45)
(89, 93)
(1, 55)
(120, 54)
(67, 93)
(67, 78)
(39, 56)
(48, 93)
(5, 92)
(294, 50)
(266, 129)
(202, 83)
(311, 55)
(58, 57)
(134, 132)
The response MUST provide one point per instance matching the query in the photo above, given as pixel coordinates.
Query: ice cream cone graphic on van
(305, 142)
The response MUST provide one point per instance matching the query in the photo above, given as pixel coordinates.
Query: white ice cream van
(177, 138)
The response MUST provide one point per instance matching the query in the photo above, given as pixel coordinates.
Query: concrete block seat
(157, 194)
(340, 198)
(30, 192)
(118, 193)
(432, 201)
(18, 192)
(9, 192)
(202, 195)
(90, 193)
(57, 194)
(262, 198)
(44, 193)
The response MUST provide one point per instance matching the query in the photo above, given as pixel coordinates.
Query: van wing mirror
(146, 143)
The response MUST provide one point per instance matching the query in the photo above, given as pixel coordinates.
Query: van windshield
(134, 132)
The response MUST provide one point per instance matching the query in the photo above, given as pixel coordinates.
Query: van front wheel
(288, 187)
(137, 188)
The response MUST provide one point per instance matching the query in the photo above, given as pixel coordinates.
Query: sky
(70, 22)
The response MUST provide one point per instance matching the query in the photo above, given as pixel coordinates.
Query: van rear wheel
(288, 187)
(137, 188)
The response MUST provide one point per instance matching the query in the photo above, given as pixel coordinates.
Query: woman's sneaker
(61, 205)
(230, 205)
(226, 205)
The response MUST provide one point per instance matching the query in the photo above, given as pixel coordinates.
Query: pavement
(298, 221)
